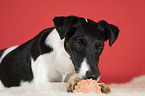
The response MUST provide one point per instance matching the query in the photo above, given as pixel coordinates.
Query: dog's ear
(63, 24)
(111, 31)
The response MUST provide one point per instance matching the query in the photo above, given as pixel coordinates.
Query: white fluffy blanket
(135, 87)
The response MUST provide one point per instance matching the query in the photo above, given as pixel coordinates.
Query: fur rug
(135, 87)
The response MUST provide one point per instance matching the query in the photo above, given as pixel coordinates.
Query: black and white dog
(67, 52)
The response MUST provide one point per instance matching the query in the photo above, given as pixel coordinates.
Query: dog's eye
(78, 44)
(99, 45)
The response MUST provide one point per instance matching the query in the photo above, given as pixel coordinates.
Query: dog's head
(84, 42)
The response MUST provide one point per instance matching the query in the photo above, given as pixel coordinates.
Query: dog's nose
(94, 76)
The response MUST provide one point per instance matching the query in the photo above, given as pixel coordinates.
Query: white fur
(7, 51)
(86, 20)
(53, 66)
(84, 68)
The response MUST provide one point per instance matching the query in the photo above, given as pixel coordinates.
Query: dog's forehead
(89, 27)
(88, 23)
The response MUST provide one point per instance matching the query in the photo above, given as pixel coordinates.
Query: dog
(68, 52)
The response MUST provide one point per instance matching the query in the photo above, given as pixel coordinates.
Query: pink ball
(87, 86)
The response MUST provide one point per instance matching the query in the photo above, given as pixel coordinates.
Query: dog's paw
(104, 88)
(72, 82)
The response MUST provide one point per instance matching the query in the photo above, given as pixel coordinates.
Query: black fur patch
(16, 65)
(39, 47)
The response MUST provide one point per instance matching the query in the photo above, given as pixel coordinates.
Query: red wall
(21, 20)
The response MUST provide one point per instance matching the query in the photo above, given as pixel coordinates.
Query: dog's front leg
(104, 88)
(72, 82)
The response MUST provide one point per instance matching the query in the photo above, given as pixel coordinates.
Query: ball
(87, 86)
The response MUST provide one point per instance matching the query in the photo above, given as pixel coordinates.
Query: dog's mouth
(84, 71)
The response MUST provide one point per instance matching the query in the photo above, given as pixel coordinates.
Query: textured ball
(87, 86)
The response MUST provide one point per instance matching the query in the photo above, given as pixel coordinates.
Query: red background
(21, 20)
